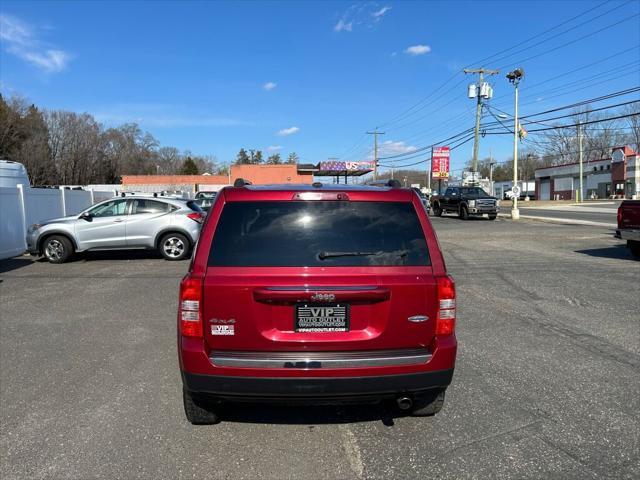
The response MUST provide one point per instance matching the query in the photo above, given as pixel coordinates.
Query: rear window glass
(318, 234)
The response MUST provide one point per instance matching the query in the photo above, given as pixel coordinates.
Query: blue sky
(309, 77)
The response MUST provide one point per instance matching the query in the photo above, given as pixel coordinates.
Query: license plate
(322, 318)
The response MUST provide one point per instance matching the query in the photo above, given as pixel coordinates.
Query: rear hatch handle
(292, 295)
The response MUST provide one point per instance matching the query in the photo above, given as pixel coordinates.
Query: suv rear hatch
(330, 274)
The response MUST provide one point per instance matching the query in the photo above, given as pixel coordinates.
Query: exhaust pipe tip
(404, 403)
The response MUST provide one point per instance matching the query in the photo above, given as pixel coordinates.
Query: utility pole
(491, 164)
(580, 160)
(515, 77)
(375, 134)
(480, 93)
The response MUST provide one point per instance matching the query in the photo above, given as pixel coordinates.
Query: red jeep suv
(316, 294)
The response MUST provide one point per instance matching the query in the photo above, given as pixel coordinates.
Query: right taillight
(446, 318)
(619, 216)
(190, 307)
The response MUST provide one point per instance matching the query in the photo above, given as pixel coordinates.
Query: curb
(565, 221)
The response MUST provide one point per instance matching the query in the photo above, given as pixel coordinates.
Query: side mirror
(86, 216)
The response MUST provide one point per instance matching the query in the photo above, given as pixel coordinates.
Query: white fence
(22, 206)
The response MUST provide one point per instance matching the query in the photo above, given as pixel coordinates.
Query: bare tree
(633, 122)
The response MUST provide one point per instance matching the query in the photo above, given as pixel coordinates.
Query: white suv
(170, 225)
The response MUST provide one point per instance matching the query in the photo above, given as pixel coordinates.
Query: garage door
(545, 190)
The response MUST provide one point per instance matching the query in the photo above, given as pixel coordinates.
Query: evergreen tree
(189, 167)
(274, 159)
(293, 158)
(242, 158)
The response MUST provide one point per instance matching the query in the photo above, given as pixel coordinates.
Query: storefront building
(614, 177)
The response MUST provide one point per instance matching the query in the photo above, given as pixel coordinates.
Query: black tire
(197, 411)
(492, 216)
(437, 211)
(174, 246)
(634, 246)
(464, 213)
(57, 249)
(428, 405)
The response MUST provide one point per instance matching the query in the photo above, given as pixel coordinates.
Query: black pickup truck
(466, 201)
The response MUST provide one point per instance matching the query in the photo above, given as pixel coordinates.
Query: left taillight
(196, 217)
(446, 318)
(190, 307)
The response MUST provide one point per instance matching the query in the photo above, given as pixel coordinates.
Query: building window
(608, 167)
(601, 167)
(595, 169)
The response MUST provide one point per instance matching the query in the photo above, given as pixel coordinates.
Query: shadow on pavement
(14, 263)
(309, 415)
(117, 255)
(617, 251)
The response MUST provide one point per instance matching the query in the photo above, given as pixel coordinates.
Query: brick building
(618, 176)
(257, 174)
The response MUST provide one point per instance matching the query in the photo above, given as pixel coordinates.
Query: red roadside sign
(440, 162)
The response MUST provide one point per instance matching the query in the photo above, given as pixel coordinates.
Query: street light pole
(515, 77)
(581, 199)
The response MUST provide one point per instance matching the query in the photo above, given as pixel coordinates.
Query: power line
(537, 36)
(573, 125)
(568, 29)
(485, 127)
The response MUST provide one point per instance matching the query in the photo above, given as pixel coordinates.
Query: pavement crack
(495, 435)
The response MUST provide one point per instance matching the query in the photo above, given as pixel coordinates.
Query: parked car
(423, 198)
(206, 194)
(205, 203)
(316, 293)
(169, 225)
(466, 202)
(12, 174)
(629, 225)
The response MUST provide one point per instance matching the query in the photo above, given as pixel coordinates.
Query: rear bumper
(318, 388)
(628, 234)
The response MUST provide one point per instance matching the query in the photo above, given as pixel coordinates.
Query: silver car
(169, 225)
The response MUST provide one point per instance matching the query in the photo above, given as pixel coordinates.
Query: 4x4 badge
(323, 297)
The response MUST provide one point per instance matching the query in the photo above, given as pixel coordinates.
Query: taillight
(446, 318)
(196, 217)
(190, 307)
(619, 216)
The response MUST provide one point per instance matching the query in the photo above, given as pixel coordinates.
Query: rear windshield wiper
(324, 255)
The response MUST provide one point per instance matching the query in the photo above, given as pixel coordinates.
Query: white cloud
(285, 132)
(159, 115)
(390, 147)
(379, 13)
(274, 148)
(343, 26)
(269, 86)
(20, 39)
(359, 15)
(418, 50)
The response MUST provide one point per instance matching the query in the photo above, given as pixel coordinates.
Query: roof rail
(241, 182)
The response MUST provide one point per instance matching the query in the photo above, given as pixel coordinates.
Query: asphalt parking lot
(547, 382)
